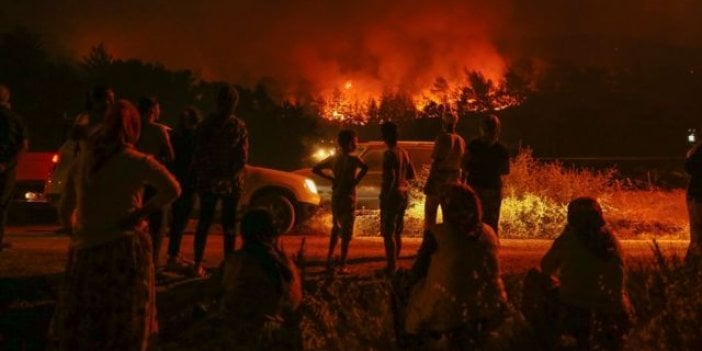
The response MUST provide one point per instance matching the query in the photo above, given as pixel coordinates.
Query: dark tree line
(555, 107)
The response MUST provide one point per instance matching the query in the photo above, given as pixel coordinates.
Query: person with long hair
(107, 301)
(586, 260)
(460, 293)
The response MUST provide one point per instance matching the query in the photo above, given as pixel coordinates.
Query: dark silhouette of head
(258, 227)
(149, 108)
(347, 140)
(585, 213)
(587, 223)
(99, 99)
(4, 95)
(389, 133)
(461, 208)
(120, 130)
(449, 120)
(490, 127)
(227, 100)
(189, 119)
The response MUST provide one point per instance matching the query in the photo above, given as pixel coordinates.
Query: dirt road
(37, 251)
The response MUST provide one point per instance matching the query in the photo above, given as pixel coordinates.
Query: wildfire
(356, 103)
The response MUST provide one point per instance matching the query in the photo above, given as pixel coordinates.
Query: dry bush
(536, 195)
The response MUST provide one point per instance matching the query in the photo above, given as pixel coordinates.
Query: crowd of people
(128, 170)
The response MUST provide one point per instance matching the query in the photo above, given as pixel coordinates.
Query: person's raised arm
(165, 184)
(320, 168)
(363, 170)
(167, 153)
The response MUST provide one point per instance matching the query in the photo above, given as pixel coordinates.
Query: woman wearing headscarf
(460, 294)
(107, 301)
(587, 262)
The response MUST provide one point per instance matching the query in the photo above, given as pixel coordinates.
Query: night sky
(376, 44)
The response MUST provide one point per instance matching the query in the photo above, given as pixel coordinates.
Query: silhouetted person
(221, 153)
(459, 292)
(13, 140)
(486, 161)
(107, 301)
(347, 170)
(154, 141)
(183, 141)
(98, 101)
(449, 148)
(260, 292)
(397, 172)
(587, 261)
(693, 166)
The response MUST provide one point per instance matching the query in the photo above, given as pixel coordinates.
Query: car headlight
(310, 185)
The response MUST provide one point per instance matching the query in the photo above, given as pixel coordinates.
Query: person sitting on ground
(108, 298)
(260, 292)
(397, 172)
(486, 161)
(587, 261)
(459, 292)
(347, 171)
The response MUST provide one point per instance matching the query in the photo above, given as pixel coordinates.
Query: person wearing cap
(486, 161)
(449, 148)
(12, 141)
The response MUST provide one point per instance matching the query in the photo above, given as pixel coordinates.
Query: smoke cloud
(367, 45)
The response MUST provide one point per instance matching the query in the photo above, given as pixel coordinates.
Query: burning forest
(320, 175)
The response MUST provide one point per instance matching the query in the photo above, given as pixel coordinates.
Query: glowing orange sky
(316, 46)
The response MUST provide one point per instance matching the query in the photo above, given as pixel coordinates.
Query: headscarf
(461, 209)
(586, 221)
(120, 130)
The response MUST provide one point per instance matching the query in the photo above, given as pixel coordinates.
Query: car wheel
(281, 207)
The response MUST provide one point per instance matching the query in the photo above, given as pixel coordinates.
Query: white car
(368, 191)
(291, 198)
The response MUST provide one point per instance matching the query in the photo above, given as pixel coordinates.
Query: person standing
(98, 100)
(183, 141)
(693, 166)
(486, 161)
(397, 172)
(154, 141)
(13, 140)
(347, 171)
(221, 153)
(107, 300)
(449, 148)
